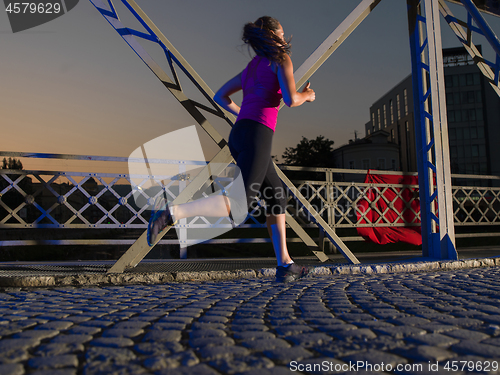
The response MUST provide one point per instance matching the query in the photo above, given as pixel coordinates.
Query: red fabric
(385, 235)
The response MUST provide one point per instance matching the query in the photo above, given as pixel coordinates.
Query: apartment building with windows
(473, 111)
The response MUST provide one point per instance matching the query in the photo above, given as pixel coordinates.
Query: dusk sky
(73, 86)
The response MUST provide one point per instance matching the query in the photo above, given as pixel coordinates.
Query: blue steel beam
(430, 133)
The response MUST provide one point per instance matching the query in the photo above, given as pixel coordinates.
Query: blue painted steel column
(424, 181)
(430, 134)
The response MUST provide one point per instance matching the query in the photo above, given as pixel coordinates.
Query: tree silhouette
(12, 164)
(311, 153)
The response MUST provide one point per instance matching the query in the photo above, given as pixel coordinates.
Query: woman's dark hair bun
(261, 37)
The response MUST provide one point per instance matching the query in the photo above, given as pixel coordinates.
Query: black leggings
(250, 144)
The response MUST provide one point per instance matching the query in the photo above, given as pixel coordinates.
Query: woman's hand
(291, 97)
(311, 95)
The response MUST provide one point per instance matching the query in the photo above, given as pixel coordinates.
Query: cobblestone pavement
(408, 323)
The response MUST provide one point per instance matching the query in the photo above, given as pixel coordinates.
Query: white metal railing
(56, 199)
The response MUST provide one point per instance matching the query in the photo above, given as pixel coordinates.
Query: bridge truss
(431, 125)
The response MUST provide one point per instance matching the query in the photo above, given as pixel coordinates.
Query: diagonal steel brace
(137, 252)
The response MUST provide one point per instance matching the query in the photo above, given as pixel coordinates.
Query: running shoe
(285, 274)
(159, 220)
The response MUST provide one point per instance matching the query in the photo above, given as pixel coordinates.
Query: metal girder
(334, 41)
(431, 131)
(487, 7)
(465, 37)
(137, 252)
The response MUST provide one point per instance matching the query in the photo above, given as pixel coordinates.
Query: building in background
(375, 151)
(473, 110)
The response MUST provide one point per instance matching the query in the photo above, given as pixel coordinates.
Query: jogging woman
(265, 81)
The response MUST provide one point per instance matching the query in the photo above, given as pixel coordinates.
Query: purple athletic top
(261, 93)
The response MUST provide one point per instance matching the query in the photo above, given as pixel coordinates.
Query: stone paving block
(7, 345)
(76, 319)
(373, 324)
(411, 320)
(382, 343)
(57, 325)
(214, 312)
(112, 355)
(186, 358)
(210, 341)
(246, 321)
(14, 355)
(277, 370)
(492, 341)
(425, 353)
(253, 335)
(207, 333)
(360, 333)
(112, 342)
(433, 339)
(71, 339)
(494, 319)
(310, 340)
(355, 317)
(287, 321)
(81, 330)
(286, 355)
(37, 335)
(371, 358)
(53, 316)
(96, 323)
(467, 334)
(53, 362)
(217, 352)
(158, 349)
(122, 332)
(176, 319)
(11, 369)
(477, 348)
(213, 319)
(202, 326)
(131, 325)
(61, 371)
(325, 321)
(249, 327)
(463, 322)
(162, 336)
(265, 344)
(17, 326)
(101, 368)
(437, 327)
(165, 326)
(399, 331)
(241, 364)
(387, 313)
(292, 329)
(50, 350)
(201, 369)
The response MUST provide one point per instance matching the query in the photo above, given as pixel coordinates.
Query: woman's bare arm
(291, 96)
(222, 97)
